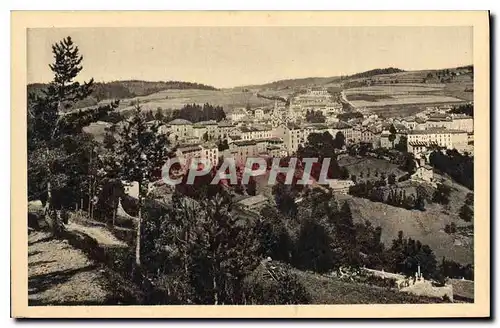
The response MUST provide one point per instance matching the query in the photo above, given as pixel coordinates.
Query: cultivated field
(398, 95)
(396, 89)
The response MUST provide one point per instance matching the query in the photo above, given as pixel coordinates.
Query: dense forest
(459, 167)
(467, 109)
(198, 113)
(373, 72)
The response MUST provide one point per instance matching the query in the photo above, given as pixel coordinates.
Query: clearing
(369, 166)
(176, 99)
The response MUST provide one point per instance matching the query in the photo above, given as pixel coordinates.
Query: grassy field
(326, 290)
(402, 100)
(369, 165)
(176, 99)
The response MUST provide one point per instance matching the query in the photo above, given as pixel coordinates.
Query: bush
(404, 177)
(274, 287)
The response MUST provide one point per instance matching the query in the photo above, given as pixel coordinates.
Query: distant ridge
(376, 71)
(128, 89)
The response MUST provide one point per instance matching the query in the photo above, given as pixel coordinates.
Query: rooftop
(225, 123)
(436, 131)
(180, 121)
(253, 201)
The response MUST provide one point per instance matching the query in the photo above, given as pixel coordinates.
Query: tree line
(459, 167)
(197, 113)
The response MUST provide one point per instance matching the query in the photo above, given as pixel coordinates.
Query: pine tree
(142, 151)
(466, 213)
(53, 127)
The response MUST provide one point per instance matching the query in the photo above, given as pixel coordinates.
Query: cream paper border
(21, 20)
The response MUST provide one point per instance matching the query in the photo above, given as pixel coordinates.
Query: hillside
(176, 99)
(453, 82)
(427, 226)
(376, 71)
(329, 290)
(127, 89)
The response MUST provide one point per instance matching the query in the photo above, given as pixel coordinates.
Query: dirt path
(61, 274)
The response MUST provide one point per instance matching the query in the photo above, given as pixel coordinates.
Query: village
(394, 222)
(279, 131)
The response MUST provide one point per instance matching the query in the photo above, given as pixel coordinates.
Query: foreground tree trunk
(114, 211)
(138, 236)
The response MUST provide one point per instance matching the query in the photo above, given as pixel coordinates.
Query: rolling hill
(127, 89)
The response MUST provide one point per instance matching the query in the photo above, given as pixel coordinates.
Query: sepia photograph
(254, 159)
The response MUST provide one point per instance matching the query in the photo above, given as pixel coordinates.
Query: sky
(235, 56)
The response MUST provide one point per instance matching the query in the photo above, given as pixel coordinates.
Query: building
(180, 129)
(187, 153)
(424, 173)
(292, 136)
(259, 113)
(210, 152)
(318, 128)
(419, 141)
(409, 123)
(256, 132)
(384, 140)
(241, 150)
(206, 151)
(370, 135)
(211, 128)
(199, 131)
(340, 186)
(238, 114)
(224, 129)
(439, 121)
(462, 122)
(351, 135)
(253, 202)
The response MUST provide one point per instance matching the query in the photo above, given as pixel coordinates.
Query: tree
(272, 235)
(420, 203)
(392, 136)
(344, 173)
(469, 199)
(205, 136)
(142, 151)
(391, 179)
(223, 145)
(346, 237)
(313, 251)
(159, 115)
(354, 178)
(109, 141)
(222, 254)
(54, 128)
(252, 187)
(466, 213)
(441, 194)
(339, 141)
